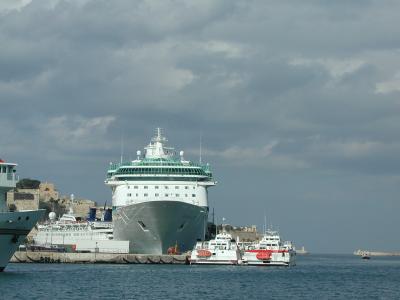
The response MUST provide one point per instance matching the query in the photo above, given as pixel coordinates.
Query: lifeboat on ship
(203, 253)
(264, 255)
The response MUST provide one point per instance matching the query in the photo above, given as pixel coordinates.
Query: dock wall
(93, 258)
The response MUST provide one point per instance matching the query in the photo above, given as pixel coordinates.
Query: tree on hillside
(28, 183)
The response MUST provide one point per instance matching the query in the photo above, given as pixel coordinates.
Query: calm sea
(314, 277)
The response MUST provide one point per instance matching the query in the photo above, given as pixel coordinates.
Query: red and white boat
(223, 250)
(270, 251)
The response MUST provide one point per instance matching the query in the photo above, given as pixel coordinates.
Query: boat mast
(122, 148)
(200, 148)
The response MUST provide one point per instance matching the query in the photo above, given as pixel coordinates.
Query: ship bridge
(8, 180)
(159, 164)
(8, 177)
(159, 169)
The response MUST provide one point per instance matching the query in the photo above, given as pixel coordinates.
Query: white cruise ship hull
(69, 236)
(14, 227)
(153, 227)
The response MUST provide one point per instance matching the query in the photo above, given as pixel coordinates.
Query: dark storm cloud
(299, 93)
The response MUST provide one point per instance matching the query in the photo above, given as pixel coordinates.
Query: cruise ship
(14, 226)
(70, 230)
(159, 200)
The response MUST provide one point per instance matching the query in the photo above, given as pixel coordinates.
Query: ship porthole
(27, 218)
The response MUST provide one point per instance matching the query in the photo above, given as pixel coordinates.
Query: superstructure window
(129, 194)
(193, 195)
(156, 194)
(166, 187)
(177, 187)
(145, 187)
(156, 187)
(176, 195)
(166, 195)
(135, 187)
(186, 187)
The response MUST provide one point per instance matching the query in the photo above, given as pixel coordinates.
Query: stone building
(81, 207)
(245, 233)
(23, 199)
(48, 191)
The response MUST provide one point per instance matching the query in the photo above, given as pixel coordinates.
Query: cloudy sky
(297, 103)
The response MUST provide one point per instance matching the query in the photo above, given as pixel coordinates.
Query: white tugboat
(14, 226)
(270, 251)
(159, 200)
(223, 250)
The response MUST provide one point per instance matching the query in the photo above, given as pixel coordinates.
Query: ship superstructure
(159, 200)
(68, 230)
(14, 226)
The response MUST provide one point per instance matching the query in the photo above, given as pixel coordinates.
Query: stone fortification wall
(23, 199)
(48, 191)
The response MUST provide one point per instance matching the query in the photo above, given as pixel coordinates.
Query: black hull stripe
(4, 231)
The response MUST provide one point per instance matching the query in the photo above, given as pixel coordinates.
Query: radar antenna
(122, 147)
(201, 136)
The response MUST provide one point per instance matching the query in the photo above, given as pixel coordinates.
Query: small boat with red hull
(270, 251)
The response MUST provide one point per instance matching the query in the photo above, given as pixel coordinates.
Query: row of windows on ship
(177, 187)
(158, 195)
(76, 234)
(7, 169)
(192, 171)
(70, 228)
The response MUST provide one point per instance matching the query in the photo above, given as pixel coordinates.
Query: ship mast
(157, 148)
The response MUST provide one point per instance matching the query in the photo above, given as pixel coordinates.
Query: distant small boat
(365, 255)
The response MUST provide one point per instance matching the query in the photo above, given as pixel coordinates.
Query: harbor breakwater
(375, 253)
(93, 258)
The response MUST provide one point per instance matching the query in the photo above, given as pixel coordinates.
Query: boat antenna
(122, 147)
(216, 228)
(71, 210)
(265, 223)
(201, 136)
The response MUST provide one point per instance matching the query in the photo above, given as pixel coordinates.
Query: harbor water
(315, 276)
